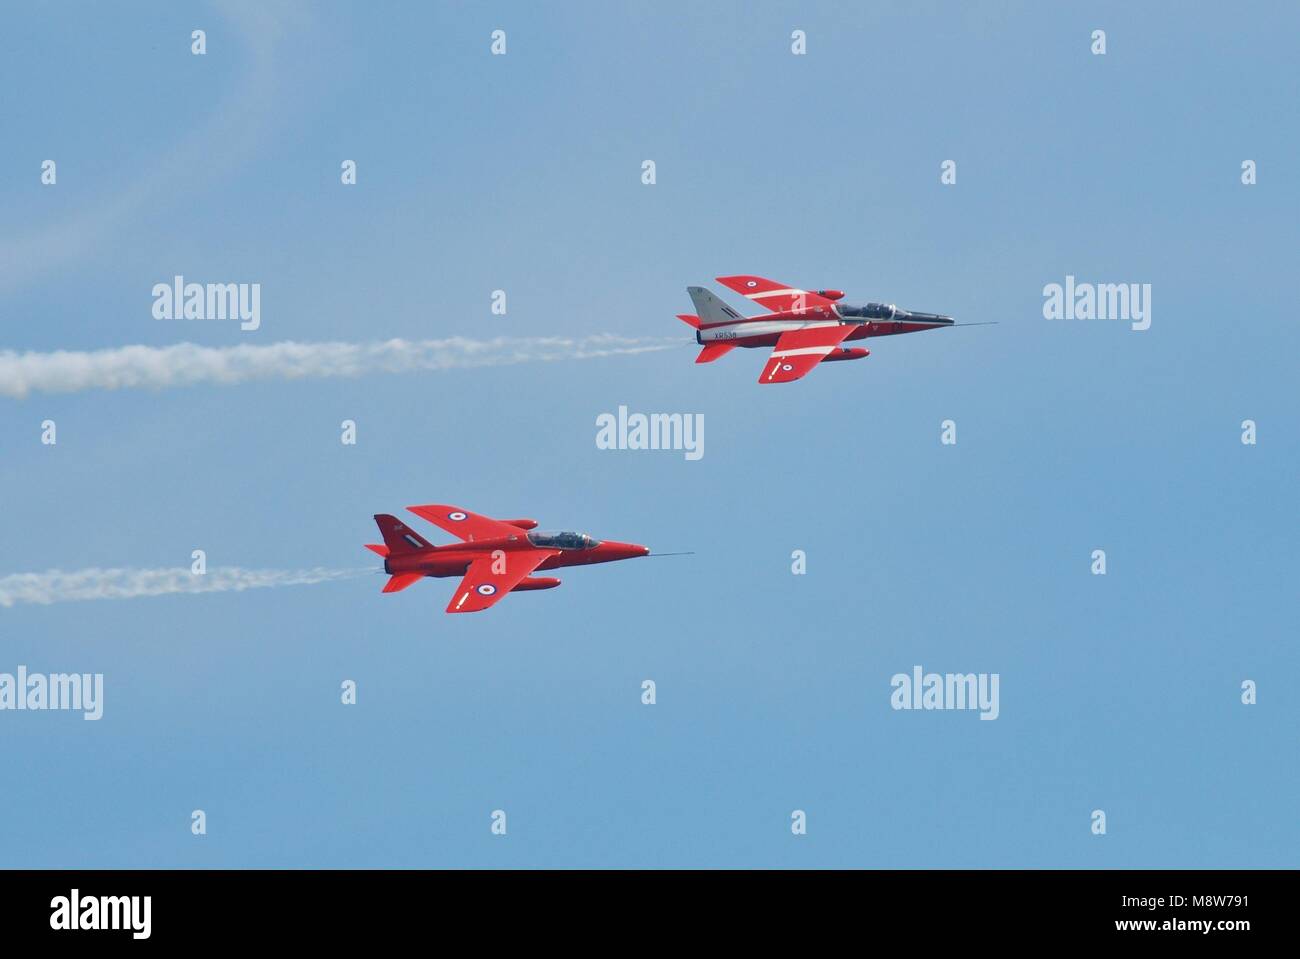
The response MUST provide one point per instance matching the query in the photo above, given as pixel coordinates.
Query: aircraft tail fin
(711, 310)
(398, 537)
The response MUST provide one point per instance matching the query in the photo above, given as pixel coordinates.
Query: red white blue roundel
(751, 283)
(487, 589)
(457, 516)
(786, 367)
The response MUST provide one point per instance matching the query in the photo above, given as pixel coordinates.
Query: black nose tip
(912, 315)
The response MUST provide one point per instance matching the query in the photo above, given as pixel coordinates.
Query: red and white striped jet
(494, 557)
(805, 326)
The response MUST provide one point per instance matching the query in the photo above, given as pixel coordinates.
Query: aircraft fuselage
(766, 330)
(454, 559)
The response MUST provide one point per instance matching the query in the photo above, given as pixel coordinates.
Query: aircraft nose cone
(929, 318)
(613, 549)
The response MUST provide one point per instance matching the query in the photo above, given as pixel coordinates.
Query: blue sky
(522, 173)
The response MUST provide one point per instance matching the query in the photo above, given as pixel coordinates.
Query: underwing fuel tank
(856, 353)
(536, 582)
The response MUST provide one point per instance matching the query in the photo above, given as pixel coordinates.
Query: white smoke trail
(58, 586)
(187, 364)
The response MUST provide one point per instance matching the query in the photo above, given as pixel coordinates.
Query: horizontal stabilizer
(712, 351)
(689, 319)
(375, 548)
(401, 581)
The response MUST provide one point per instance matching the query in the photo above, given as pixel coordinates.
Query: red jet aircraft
(495, 557)
(806, 327)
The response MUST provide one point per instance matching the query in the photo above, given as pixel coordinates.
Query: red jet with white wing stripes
(804, 328)
(494, 557)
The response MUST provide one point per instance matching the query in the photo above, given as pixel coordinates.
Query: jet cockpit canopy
(543, 539)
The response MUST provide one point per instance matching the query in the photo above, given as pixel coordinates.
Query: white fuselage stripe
(733, 331)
